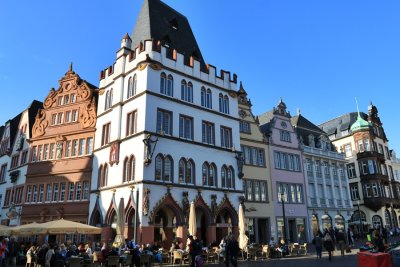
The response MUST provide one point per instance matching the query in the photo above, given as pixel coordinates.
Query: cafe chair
(177, 256)
(75, 262)
(113, 261)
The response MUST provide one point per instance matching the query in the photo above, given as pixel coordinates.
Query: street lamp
(284, 216)
(359, 216)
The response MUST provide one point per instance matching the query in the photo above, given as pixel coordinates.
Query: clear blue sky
(318, 55)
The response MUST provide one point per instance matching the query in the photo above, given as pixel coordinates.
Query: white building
(14, 158)
(328, 196)
(167, 127)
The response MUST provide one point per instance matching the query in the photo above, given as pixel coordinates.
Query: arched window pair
(109, 99)
(186, 171)
(209, 174)
(187, 91)
(227, 177)
(166, 84)
(164, 168)
(223, 103)
(129, 169)
(206, 98)
(102, 177)
(132, 86)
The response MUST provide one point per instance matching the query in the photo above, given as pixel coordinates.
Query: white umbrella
(243, 239)
(192, 220)
(29, 229)
(68, 227)
(119, 238)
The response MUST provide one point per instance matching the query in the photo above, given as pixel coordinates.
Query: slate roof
(159, 21)
(341, 123)
(14, 123)
(33, 109)
(266, 117)
(1, 131)
(304, 128)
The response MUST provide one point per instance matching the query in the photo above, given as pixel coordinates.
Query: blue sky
(317, 55)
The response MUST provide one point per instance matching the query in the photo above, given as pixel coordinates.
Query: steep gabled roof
(302, 123)
(160, 22)
(32, 111)
(14, 123)
(341, 123)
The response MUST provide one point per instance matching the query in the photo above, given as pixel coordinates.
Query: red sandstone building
(58, 176)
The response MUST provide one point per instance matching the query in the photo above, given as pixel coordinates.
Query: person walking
(328, 243)
(350, 236)
(341, 242)
(233, 251)
(317, 241)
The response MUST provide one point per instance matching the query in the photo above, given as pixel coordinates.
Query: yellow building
(256, 174)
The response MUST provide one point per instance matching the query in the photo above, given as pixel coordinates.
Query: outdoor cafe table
(369, 259)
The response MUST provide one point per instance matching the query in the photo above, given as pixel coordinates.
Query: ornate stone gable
(73, 93)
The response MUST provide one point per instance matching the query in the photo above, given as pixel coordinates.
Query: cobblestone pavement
(349, 260)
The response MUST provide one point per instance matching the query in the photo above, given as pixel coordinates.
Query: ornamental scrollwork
(40, 125)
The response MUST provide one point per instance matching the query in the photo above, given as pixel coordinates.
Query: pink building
(287, 177)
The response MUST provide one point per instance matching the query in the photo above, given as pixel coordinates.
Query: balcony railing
(314, 201)
(371, 154)
(347, 203)
(322, 202)
(331, 202)
(320, 152)
(339, 203)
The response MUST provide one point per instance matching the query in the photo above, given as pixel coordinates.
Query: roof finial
(298, 111)
(70, 66)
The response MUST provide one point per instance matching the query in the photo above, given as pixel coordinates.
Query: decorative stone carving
(60, 212)
(311, 140)
(214, 205)
(84, 93)
(50, 99)
(114, 153)
(40, 125)
(185, 203)
(88, 115)
(146, 202)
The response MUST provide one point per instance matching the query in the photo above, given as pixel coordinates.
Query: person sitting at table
(104, 251)
(71, 252)
(378, 243)
(57, 260)
(88, 250)
(113, 252)
(63, 251)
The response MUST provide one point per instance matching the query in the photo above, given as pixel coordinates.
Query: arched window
(164, 168)
(226, 104)
(170, 86)
(190, 92)
(163, 85)
(184, 90)
(110, 99)
(212, 175)
(204, 171)
(132, 163)
(186, 171)
(221, 102)
(190, 170)
(107, 100)
(104, 176)
(182, 170)
(209, 99)
(223, 176)
(168, 163)
(230, 178)
(159, 167)
(126, 170)
(203, 96)
(99, 176)
(132, 86)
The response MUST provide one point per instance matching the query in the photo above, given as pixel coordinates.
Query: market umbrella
(28, 229)
(243, 239)
(69, 227)
(192, 220)
(5, 230)
(119, 238)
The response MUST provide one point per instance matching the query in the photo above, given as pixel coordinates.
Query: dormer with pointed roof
(158, 21)
(280, 109)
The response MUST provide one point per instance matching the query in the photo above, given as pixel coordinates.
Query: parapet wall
(152, 51)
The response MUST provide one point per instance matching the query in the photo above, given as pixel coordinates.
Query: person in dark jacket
(378, 243)
(328, 243)
(341, 241)
(233, 251)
